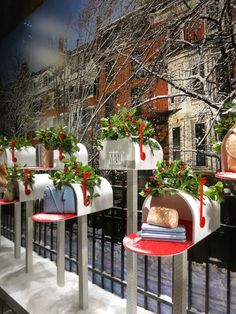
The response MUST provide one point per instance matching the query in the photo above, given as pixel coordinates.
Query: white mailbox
(104, 201)
(124, 154)
(24, 156)
(188, 208)
(40, 182)
(81, 156)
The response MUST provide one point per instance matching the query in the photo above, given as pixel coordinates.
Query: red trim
(61, 156)
(226, 175)
(202, 220)
(142, 154)
(2, 202)
(47, 217)
(86, 175)
(13, 144)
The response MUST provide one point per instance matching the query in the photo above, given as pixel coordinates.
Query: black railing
(212, 262)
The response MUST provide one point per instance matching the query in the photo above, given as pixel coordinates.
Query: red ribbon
(202, 218)
(62, 137)
(61, 156)
(86, 175)
(142, 154)
(26, 181)
(13, 144)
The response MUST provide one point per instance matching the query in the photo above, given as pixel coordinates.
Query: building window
(109, 70)
(176, 143)
(45, 80)
(110, 106)
(199, 134)
(197, 85)
(49, 101)
(37, 106)
(136, 97)
(137, 70)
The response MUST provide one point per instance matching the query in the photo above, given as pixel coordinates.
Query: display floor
(38, 292)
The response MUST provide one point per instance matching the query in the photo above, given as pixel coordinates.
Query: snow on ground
(38, 292)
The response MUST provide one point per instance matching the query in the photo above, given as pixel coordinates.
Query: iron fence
(212, 262)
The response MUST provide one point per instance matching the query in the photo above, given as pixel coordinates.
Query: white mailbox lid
(41, 181)
(81, 156)
(189, 209)
(124, 154)
(104, 201)
(25, 156)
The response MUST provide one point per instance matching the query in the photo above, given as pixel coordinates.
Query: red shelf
(226, 175)
(154, 248)
(47, 217)
(2, 202)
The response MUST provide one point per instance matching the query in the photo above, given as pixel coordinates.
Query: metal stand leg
(83, 261)
(132, 204)
(180, 281)
(29, 237)
(17, 216)
(61, 253)
(0, 223)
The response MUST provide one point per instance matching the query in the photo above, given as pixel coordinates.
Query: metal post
(61, 253)
(17, 225)
(180, 281)
(0, 223)
(83, 261)
(132, 204)
(29, 237)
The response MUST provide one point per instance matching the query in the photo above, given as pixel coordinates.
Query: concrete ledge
(38, 293)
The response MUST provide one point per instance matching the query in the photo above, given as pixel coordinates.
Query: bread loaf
(162, 216)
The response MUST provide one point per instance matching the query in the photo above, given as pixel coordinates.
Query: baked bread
(162, 216)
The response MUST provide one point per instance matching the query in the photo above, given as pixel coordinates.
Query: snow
(38, 292)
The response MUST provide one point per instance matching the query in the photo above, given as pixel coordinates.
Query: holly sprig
(168, 178)
(16, 173)
(19, 142)
(55, 138)
(73, 173)
(124, 125)
(224, 124)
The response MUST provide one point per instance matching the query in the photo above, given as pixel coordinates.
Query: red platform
(134, 243)
(226, 175)
(2, 202)
(47, 217)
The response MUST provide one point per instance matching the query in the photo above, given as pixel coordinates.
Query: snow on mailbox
(26, 193)
(228, 156)
(81, 156)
